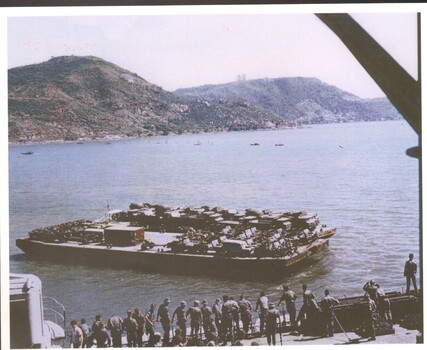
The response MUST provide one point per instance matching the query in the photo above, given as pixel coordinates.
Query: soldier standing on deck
(101, 336)
(384, 308)
(370, 311)
(217, 311)
(313, 316)
(165, 320)
(114, 324)
(196, 318)
(245, 312)
(140, 320)
(306, 295)
(149, 322)
(206, 315)
(262, 305)
(271, 320)
(327, 304)
(130, 326)
(97, 324)
(76, 335)
(236, 314)
(181, 321)
(86, 333)
(289, 297)
(410, 273)
(227, 318)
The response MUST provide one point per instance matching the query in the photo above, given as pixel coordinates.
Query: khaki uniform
(327, 304)
(245, 313)
(163, 314)
(181, 320)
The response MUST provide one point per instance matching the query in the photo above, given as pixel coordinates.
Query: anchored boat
(209, 241)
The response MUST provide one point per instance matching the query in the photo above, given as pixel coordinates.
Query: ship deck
(161, 239)
(163, 259)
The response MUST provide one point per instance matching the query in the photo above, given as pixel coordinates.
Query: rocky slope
(84, 98)
(72, 98)
(304, 100)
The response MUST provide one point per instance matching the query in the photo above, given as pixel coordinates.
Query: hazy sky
(176, 51)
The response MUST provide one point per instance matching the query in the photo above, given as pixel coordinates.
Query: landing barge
(208, 241)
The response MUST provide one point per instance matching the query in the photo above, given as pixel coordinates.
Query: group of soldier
(135, 325)
(231, 320)
(227, 320)
(221, 322)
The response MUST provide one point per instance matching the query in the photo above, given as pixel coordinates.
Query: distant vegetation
(302, 100)
(84, 98)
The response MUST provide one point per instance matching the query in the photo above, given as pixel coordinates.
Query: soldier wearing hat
(165, 320)
(206, 315)
(181, 318)
(196, 318)
(271, 320)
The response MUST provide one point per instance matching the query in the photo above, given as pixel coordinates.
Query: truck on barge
(208, 241)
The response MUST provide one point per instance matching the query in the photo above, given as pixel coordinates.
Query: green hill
(72, 98)
(84, 98)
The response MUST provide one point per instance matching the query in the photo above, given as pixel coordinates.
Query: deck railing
(54, 311)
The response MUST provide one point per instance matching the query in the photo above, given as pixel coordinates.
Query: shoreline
(113, 138)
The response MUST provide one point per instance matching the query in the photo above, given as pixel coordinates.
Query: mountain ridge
(81, 98)
(305, 100)
(71, 98)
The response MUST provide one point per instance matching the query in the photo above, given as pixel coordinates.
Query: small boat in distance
(27, 153)
(255, 144)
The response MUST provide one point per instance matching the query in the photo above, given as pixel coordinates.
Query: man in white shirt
(76, 335)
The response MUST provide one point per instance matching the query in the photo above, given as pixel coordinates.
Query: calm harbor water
(356, 177)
